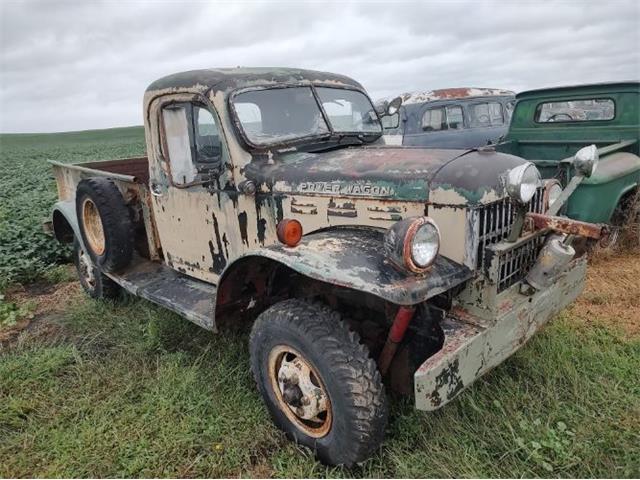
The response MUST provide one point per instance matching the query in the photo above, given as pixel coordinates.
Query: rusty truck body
(266, 195)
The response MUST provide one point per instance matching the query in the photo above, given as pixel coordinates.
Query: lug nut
(305, 400)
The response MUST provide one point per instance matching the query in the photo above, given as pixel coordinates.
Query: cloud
(84, 64)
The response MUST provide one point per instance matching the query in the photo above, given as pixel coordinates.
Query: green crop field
(95, 389)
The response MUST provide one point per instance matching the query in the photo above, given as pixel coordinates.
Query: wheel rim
(93, 226)
(86, 268)
(300, 392)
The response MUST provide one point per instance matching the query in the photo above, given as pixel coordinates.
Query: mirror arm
(564, 196)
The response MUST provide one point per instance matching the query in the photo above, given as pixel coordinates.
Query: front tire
(318, 381)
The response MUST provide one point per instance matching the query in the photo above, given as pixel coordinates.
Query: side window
(192, 140)
(485, 114)
(390, 122)
(495, 112)
(433, 120)
(454, 118)
(176, 131)
(449, 118)
(207, 138)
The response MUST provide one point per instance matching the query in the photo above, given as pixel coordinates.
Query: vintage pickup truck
(550, 125)
(267, 197)
(449, 118)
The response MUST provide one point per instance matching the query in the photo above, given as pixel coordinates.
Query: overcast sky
(75, 65)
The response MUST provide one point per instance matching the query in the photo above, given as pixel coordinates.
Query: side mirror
(585, 160)
(387, 109)
(393, 106)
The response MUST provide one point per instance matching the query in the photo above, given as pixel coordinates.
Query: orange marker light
(289, 232)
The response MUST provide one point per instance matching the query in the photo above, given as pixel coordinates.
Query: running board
(154, 281)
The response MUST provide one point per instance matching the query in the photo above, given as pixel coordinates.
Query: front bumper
(472, 348)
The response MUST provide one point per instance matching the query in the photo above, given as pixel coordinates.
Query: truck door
(193, 195)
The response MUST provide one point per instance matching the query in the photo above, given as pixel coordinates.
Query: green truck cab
(550, 125)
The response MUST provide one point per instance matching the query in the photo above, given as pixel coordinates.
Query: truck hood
(398, 173)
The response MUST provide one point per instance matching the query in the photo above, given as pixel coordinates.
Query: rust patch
(539, 221)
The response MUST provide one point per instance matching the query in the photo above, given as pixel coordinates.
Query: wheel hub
(92, 224)
(300, 392)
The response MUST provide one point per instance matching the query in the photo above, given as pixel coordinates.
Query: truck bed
(134, 170)
(131, 176)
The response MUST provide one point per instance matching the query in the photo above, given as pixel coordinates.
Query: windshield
(278, 115)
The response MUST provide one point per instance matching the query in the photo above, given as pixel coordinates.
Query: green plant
(28, 190)
(10, 313)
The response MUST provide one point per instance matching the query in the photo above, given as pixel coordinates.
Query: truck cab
(266, 196)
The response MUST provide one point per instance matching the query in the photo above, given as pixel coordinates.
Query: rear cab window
(582, 110)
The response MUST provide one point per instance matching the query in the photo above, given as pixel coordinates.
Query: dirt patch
(46, 302)
(612, 292)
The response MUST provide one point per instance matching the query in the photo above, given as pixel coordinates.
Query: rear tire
(95, 283)
(105, 223)
(318, 381)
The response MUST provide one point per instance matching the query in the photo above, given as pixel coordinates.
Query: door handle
(155, 189)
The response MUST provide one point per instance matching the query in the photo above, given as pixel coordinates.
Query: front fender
(355, 259)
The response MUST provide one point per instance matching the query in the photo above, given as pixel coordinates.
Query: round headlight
(412, 243)
(522, 182)
(553, 191)
(425, 245)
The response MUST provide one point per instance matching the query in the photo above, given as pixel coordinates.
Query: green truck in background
(550, 125)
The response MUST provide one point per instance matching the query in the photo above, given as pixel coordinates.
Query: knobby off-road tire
(105, 223)
(94, 283)
(314, 338)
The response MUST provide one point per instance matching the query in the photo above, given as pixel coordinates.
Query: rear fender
(65, 222)
(355, 259)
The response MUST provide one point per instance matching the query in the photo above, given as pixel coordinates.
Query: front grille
(495, 221)
(513, 265)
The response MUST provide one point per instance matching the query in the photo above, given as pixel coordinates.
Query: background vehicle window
(454, 118)
(433, 120)
(176, 132)
(391, 121)
(485, 114)
(576, 110)
(508, 109)
(495, 112)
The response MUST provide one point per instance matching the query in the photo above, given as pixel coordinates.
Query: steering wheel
(484, 118)
(558, 116)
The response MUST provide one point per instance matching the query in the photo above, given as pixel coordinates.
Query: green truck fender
(597, 197)
(355, 259)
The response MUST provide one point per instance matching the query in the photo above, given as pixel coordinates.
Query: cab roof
(229, 79)
(452, 93)
(580, 89)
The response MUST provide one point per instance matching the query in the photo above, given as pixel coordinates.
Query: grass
(127, 389)
(27, 192)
